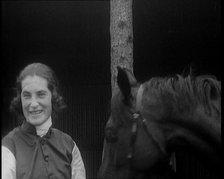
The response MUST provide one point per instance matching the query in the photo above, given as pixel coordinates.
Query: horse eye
(111, 135)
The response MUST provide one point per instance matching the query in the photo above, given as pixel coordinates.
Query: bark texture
(121, 32)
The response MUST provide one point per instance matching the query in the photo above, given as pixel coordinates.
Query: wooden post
(121, 32)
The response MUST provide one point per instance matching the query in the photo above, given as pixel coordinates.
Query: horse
(151, 120)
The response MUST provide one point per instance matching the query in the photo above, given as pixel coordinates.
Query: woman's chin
(36, 121)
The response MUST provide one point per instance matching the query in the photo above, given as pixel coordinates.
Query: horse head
(151, 120)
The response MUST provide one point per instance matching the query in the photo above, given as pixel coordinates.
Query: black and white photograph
(111, 89)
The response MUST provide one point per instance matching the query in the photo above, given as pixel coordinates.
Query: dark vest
(37, 157)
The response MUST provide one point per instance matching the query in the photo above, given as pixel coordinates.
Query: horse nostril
(111, 135)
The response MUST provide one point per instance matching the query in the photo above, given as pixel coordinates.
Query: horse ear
(125, 80)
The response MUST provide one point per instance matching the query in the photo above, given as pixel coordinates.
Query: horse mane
(179, 94)
(184, 93)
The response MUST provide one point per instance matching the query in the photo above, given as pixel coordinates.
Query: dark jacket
(37, 157)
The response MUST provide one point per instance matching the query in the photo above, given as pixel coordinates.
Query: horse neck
(198, 129)
(191, 125)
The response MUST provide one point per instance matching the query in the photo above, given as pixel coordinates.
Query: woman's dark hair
(45, 72)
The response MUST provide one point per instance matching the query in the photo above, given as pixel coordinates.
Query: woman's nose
(34, 103)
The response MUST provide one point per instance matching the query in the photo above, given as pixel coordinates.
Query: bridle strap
(135, 122)
(139, 98)
(135, 117)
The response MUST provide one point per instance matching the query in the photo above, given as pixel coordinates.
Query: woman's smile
(36, 112)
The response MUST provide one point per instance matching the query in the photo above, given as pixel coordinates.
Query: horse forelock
(183, 94)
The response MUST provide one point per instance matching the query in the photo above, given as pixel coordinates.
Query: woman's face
(36, 100)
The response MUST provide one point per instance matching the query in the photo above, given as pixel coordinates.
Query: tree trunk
(121, 32)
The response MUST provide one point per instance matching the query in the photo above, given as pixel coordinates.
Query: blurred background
(73, 38)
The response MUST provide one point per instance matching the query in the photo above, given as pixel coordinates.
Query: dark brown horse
(149, 121)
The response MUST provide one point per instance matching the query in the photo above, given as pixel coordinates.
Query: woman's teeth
(36, 112)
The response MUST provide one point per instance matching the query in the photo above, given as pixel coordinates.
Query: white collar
(43, 128)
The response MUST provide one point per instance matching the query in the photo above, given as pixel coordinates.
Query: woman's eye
(26, 96)
(41, 95)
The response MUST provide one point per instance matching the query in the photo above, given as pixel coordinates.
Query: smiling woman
(26, 148)
(31, 79)
(36, 100)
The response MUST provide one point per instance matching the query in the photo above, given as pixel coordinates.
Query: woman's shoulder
(63, 138)
(12, 134)
(9, 139)
(61, 134)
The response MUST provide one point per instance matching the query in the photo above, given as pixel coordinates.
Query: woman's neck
(43, 128)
